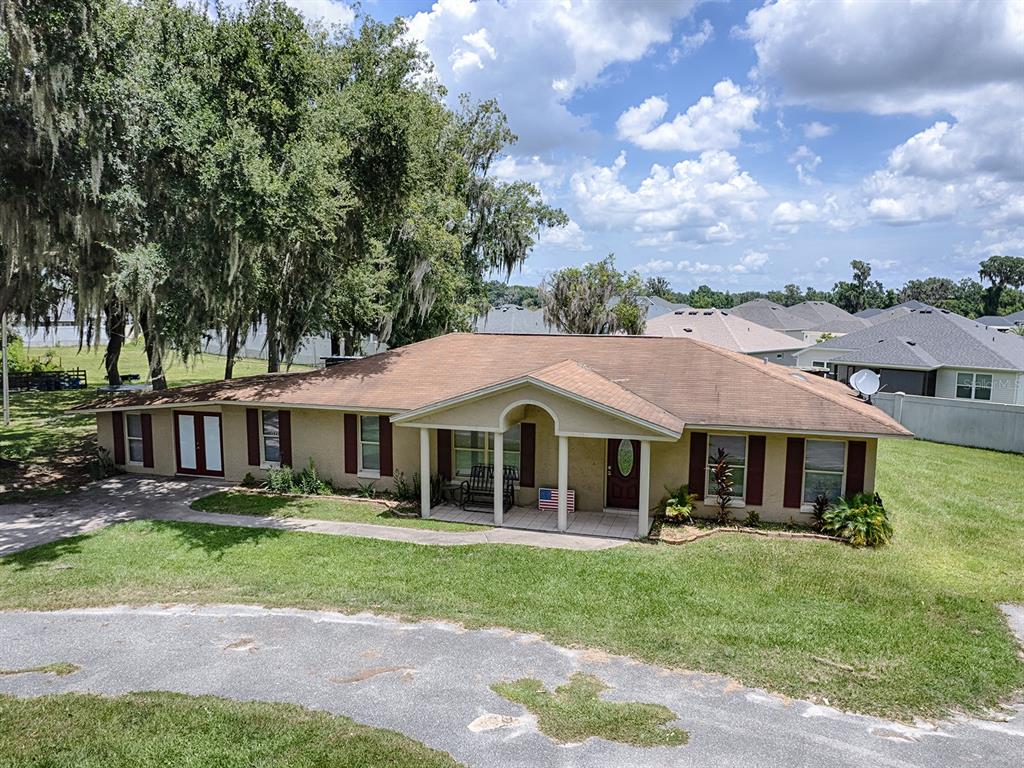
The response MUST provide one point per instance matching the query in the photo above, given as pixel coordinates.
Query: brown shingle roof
(697, 383)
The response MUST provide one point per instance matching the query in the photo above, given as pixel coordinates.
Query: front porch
(609, 525)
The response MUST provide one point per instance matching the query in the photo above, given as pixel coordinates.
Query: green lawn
(53, 449)
(270, 505)
(908, 629)
(152, 730)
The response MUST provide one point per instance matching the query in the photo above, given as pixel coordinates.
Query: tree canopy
(594, 298)
(183, 174)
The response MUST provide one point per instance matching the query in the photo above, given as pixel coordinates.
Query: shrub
(249, 481)
(103, 465)
(678, 505)
(405, 490)
(309, 482)
(366, 490)
(753, 519)
(819, 508)
(860, 519)
(280, 480)
(721, 473)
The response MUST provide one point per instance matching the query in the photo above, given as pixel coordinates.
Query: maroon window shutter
(698, 462)
(147, 440)
(527, 454)
(755, 469)
(387, 461)
(284, 425)
(252, 435)
(856, 461)
(117, 424)
(444, 453)
(794, 488)
(351, 445)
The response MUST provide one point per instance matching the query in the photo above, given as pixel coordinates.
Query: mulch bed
(684, 534)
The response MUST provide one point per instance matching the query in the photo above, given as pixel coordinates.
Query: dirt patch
(60, 669)
(247, 644)
(371, 672)
(684, 534)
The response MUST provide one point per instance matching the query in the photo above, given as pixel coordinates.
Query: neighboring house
(872, 312)
(311, 350)
(511, 318)
(1004, 322)
(929, 352)
(726, 330)
(616, 419)
(807, 321)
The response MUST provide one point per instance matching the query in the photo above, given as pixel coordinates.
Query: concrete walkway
(432, 681)
(132, 497)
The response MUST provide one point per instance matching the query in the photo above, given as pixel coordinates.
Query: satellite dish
(866, 382)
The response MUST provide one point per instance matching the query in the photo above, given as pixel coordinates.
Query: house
(929, 352)
(807, 321)
(615, 419)
(1004, 322)
(872, 312)
(726, 330)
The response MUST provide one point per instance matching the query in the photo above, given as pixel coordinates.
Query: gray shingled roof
(873, 311)
(1004, 321)
(770, 315)
(929, 338)
(509, 318)
(823, 316)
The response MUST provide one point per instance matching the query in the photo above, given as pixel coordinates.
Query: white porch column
(499, 477)
(643, 524)
(563, 483)
(424, 472)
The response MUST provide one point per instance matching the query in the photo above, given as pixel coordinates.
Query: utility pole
(7, 392)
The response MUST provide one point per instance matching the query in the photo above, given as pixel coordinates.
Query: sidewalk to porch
(614, 525)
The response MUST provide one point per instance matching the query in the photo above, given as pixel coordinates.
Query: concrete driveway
(431, 681)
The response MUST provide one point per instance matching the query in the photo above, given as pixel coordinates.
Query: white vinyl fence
(974, 423)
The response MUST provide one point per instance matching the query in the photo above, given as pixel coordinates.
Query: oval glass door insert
(625, 457)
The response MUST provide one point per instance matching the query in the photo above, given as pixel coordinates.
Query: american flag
(547, 498)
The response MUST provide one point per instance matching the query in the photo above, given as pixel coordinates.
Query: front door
(623, 474)
(198, 444)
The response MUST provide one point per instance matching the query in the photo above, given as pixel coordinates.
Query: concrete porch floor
(613, 525)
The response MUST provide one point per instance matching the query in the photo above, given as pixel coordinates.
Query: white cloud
(900, 201)
(694, 201)
(751, 261)
(327, 11)
(884, 263)
(816, 130)
(532, 169)
(819, 263)
(886, 57)
(788, 216)
(805, 162)
(534, 56)
(569, 237)
(714, 122)
(690, 44)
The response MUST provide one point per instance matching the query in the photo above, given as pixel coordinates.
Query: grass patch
(152, 730)
(52, 449)
(59, 668)
(909, 629)
(312, 508)
(575, 712)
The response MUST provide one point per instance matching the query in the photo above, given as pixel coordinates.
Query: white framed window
(133, 430)
(973, 386)
(736, 448)
(270, 426)
(824, 469)
(369, 446)
(477, 447)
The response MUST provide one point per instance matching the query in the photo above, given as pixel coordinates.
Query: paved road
(431, 681)
(131, 497)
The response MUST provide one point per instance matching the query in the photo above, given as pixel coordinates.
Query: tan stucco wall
(573, 417)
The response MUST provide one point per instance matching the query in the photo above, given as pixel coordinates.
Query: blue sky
(747, 145)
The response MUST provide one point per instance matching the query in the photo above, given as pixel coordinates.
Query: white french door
(198, 443)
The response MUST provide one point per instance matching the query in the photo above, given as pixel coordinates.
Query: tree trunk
(350, 344)
(115, 340)
(231, 352)
(273, 347)
(335, 344)
(153, 352)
